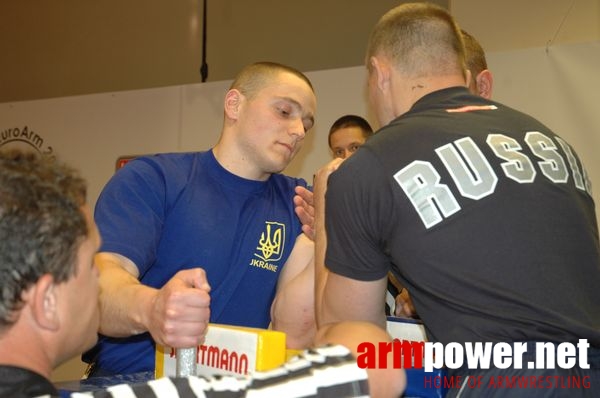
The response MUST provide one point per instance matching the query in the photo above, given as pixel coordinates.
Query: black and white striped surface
(326, 372)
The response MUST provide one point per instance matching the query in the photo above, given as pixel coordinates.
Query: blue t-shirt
(178, 211)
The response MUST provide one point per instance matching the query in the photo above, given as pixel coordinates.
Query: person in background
(49, 303)
(347, 134)
(193, 238)
(481, 247)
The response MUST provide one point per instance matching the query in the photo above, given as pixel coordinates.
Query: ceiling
(54, 48)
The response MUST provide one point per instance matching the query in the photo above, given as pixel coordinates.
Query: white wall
(560, 86)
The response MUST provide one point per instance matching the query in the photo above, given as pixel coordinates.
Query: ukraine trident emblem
(271, 241)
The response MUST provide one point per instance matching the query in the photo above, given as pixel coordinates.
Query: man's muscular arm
(175, 315)
(293, 308)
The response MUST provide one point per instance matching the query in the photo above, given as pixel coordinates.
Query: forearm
(293, 311)
(124, 301)
(320, 235)
(320, 249)
(383, 382)
(338, 298)
(347, 299)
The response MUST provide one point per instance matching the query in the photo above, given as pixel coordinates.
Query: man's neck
(413, 89)
(237, 163)
(24, 354)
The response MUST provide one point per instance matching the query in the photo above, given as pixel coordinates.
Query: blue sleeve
(130, 212)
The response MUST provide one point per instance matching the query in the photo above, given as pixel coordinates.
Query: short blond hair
(256, 76)
(420, 39)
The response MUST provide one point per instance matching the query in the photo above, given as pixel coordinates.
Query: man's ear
(382, 72)
(485, 81)
(44, 303)
(233, 100)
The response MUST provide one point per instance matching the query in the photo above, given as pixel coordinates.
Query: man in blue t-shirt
(193, 238)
